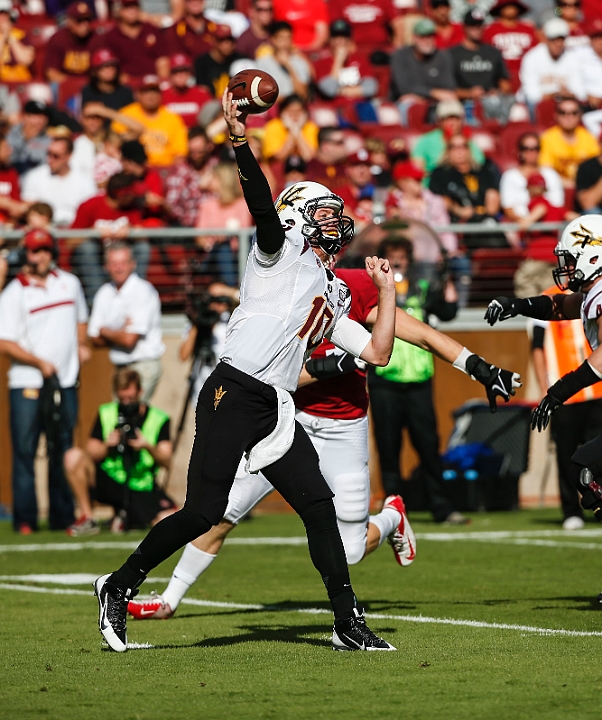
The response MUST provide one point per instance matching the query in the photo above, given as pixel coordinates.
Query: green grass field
(237, 658)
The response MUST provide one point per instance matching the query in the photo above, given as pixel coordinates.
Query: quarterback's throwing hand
(498, 383)
(500, 309)
(543, 412)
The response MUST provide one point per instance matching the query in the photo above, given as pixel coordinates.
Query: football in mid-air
(254, 90)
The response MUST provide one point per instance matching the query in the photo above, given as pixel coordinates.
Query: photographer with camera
(43, 318)
(126, 317)
(128, 445)
(401, 393)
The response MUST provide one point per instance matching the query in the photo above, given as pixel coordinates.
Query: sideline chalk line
(311, 611)
(543, 538)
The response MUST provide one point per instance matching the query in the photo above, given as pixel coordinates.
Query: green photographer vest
(408, 363)
(144, 469)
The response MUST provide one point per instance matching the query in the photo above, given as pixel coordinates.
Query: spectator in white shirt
(43, 318)
(549, 69)
(86, 145)
(126, 317)
(514, 195)
(57, 184)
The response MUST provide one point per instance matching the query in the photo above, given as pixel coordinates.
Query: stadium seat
(387, 113)
(417, 116)
(493, 273)
(67, 93)
(509, 135)
(503, 162)
(544, 113)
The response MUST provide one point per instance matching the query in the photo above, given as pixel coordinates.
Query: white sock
(193, 563)
(386, 521)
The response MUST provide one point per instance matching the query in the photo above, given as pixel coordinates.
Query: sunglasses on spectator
(526, 148)
(568, 4)
(336, 141)
(567, 112)
(92, 117)
(55, 156)
(80, 21)
(35, 251)
(264, 9)
(457, 146)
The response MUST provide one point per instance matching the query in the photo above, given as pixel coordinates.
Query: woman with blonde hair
(224, 208)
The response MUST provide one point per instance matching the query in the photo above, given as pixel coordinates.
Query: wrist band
(571, 383)
(238, 138)
(460, 362)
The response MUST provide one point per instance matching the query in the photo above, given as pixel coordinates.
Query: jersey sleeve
(350, 336)
(164, 431)
(593, 304)
(97, 430)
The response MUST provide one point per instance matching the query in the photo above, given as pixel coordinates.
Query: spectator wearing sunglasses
(513, 185)
(261, 14)
(567, 144)
(57, 184)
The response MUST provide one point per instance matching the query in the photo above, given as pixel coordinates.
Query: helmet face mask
(303, 204)
(579, 253)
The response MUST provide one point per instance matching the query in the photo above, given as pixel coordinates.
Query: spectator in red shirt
(309, 20)
(447, 33)
(11, 207)
(68, 50)
(183, 97)
(137, 45)
(105, 86)
(510, 36)
(187, 183)
(191, 34)
(328, 165)
(113, 214)
(377, 24)
(149, 186)
(261, 14)
(344, 74)
(570, 12)
(360, 187)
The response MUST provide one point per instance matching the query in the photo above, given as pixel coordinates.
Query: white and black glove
(329, 366)
(497, 382)
(543, 412)
(502, 308)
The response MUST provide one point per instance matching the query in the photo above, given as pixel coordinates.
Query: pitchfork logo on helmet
(299, 206)
(579, 253)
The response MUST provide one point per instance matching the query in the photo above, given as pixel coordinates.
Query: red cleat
(402, 539)
(153, 608)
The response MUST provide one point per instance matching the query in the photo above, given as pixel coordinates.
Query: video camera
(128, 420)
(204, 317)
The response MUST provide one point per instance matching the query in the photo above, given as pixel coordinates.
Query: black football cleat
(352, 633)
(112, 604)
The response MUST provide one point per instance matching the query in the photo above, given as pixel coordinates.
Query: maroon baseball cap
(536, 180)
(359, 157)
(79, 11)
(180, 61)
(407, 169)
(103, 57)
(124, 3)
(594, 27)
(150, 82)
(495, 10)
(38, 240)
(223, 32)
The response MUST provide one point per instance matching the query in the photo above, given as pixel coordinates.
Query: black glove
(500, 309)
(497, 382)
(323, 368)
(543, 412)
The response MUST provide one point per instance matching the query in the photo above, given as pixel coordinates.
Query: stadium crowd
(439, 112)
(448, 111)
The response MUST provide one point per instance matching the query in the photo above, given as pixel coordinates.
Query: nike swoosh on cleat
(142, 611)
(103, 624)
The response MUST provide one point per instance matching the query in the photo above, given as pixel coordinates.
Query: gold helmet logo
(584, 237)
(291, 196)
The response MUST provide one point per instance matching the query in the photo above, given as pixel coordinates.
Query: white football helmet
(297, 206)
(579, 253)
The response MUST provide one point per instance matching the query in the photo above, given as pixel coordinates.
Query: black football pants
(234, 412)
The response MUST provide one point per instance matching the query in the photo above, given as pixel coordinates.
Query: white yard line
(522, 537)
(320, 611)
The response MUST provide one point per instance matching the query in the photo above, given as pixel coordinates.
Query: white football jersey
(288, 303)
(591, 309)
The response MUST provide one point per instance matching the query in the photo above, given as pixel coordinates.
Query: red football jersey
(343, 397)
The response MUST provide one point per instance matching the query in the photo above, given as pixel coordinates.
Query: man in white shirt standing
(43, 316)
(57, 184)
(549, 69)
(126, 317)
